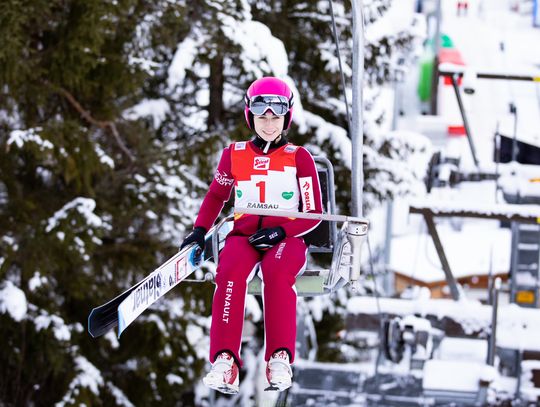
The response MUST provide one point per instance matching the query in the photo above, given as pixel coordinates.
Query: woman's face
(268, 126)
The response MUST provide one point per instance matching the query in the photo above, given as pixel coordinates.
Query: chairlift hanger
(354, 228)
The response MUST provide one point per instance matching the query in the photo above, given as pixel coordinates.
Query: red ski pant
(238, 262)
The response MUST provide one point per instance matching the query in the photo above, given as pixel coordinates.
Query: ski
(157, 284)
(126, 307)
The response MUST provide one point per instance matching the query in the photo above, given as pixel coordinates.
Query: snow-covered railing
(506, 212)
(449, 69)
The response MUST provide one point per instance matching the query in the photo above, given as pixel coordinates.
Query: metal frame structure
(509, 213)
(456, 73)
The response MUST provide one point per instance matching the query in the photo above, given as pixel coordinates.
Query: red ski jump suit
(283, 179)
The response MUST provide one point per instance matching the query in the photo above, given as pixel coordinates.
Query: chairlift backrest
(319, 240)
(323, 237)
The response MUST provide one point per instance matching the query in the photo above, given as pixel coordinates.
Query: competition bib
(265, 181)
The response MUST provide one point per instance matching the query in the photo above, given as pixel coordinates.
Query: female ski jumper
(284, 179)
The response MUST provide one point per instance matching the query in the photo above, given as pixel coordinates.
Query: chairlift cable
(336, 40)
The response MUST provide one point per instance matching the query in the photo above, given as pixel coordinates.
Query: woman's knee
(234, 273)
(278, 277)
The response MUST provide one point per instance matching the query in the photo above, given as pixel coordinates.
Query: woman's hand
(264, 239)
(196, 236)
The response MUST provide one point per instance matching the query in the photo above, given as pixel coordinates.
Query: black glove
(264, 239)
(196, 236)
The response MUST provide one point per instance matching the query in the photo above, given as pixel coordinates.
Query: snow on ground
(465, 376)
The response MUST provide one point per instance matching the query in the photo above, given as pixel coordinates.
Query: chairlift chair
(344, 244)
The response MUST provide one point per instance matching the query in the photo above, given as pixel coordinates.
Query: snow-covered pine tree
(92, 200)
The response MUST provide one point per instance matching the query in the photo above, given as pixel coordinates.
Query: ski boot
(223, 376)
(279, 372)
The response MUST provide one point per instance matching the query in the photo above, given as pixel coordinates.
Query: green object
(446, 42)
(287, 195)
(239, 193)
(426, 66)
(426, 75)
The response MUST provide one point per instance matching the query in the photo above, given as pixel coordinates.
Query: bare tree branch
(105, 125)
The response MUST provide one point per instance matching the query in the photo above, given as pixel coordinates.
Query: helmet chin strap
(265, 146)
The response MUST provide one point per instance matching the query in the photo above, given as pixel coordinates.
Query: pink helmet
(269, 93)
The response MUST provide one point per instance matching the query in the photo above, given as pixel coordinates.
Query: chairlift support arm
(303, 215)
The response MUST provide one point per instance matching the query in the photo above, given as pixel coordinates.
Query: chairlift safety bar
(301, 215)
(355, 232)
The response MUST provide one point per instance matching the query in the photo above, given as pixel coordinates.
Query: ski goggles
(279, 105)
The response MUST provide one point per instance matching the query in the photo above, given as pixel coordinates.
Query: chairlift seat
(323, 239)
(310, 283)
